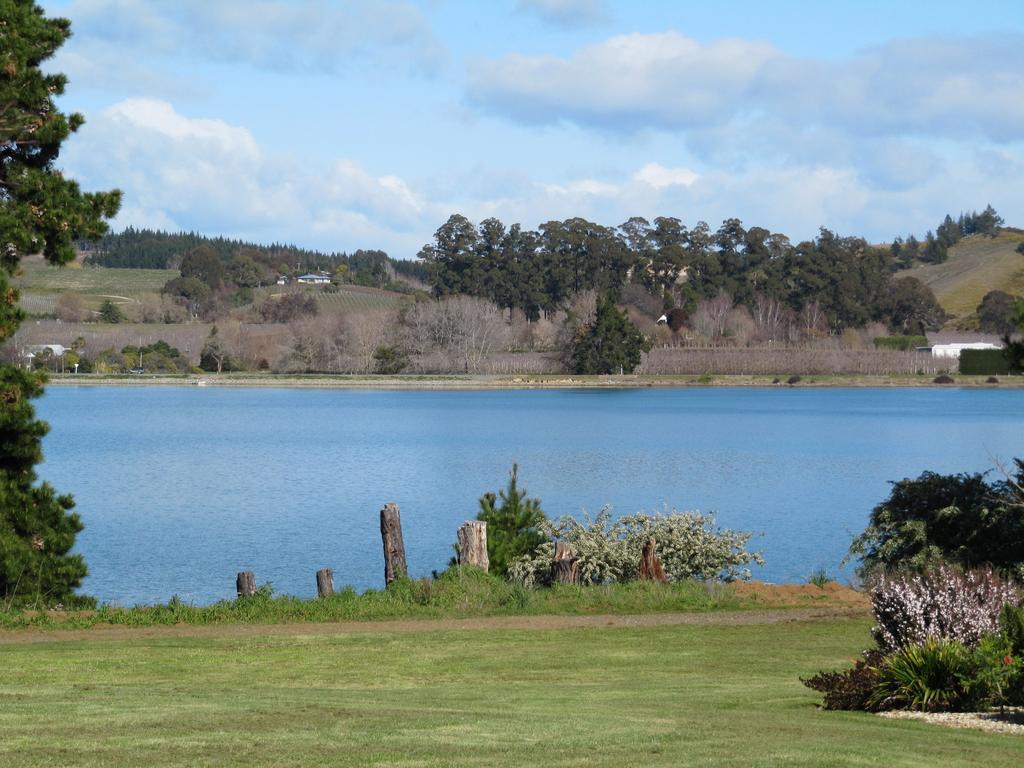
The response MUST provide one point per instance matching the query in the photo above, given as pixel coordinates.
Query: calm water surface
(180, 488)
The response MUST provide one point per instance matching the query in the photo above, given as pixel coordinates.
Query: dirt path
(108, 632)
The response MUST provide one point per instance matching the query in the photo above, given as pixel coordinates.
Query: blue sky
(344, 125)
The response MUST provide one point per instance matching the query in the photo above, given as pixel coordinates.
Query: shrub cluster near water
(943, 555)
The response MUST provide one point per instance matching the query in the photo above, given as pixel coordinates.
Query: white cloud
(935, 87)
(566, 13)
(298, 35)
(629, 81)
(205, 174)
(659, 177)
(581, 187)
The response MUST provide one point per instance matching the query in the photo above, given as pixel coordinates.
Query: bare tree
(739, 325)
(364, 333)
(456, 334)
(769, 315)
(709, 319)
(71, 307)
(812, 320)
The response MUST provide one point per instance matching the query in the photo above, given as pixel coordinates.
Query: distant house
(31, 352)
(954, 350)
(311, 279)
(57, 350)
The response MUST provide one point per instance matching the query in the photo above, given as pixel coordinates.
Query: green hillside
(36, 276)
(976, 265)
(41, 283)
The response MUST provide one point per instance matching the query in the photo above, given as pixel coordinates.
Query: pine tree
(512, 527)
(610, 344)
(40, 212)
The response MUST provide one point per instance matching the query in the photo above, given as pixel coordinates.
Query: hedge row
(900, 343)
(984, 362)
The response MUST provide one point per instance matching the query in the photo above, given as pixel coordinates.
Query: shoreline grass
(455, 594)
(524, 381)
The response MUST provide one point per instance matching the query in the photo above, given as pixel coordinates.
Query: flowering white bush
(687, 543)
(941, 603)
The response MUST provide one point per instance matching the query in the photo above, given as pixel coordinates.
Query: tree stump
(473, 544)
(566, 569)
(394, 546)
(324, 582)
(650, 565)
(246, 584)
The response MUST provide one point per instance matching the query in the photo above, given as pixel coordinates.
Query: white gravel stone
(1010, 720)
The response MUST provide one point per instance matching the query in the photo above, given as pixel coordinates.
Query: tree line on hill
(155, 249)
(934, 249)
(846, 280)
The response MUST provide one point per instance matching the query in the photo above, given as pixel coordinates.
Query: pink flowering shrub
(942, 602)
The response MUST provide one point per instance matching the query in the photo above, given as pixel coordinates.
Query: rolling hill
(976, 265)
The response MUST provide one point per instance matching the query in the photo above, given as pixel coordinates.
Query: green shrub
(962, 519)
(984, 362)
(1011, 624)
(110, 312)
(929, 677)
(995, 679)
(900, 343)
(513, 527)
(819, 578)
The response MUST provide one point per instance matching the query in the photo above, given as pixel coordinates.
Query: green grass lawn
(668, 696)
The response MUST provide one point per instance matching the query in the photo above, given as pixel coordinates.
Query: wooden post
(324, 582)
(566, 566)
(473, 544)
(394, 546)
(245, 583)
(650, 565)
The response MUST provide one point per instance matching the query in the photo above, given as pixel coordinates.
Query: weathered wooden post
(394, 546)
(324, 582)
(473, 544)
(245, 583)
(566, 566)
(650, 565)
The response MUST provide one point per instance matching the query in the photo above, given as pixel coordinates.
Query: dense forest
(846, 280)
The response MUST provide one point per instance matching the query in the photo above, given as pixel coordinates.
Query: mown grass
(655, 696)
(456, 593)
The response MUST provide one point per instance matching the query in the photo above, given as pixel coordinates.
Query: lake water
(181, 488)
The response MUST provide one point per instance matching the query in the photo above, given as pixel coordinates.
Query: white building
(311, 279)
(954, 350)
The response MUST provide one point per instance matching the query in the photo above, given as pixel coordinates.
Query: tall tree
(452, 258)
(913, 308)
(610, 344)
(40, 212)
